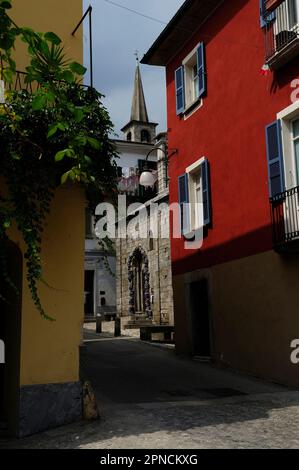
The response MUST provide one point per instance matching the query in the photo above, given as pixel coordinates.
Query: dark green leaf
(53, 38)
(68, 76)
(79, 114)
(77, 68)
(60, 155)
(93, 143)
(39, 102)
(6, 4)
(52, 130)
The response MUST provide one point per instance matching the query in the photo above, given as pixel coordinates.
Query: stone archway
(138, 266)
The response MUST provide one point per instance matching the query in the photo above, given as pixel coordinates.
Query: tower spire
(139, 129)
(139, 110)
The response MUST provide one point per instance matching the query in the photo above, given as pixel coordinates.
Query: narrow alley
(151, 399)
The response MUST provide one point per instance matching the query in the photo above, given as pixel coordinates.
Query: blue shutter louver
(265, 18)
(184, 199)
(206, 194)
(180, 90)
(275, 158)
(201, 69)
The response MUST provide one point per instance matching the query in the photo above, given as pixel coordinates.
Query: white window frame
(287, 116)
(189, 82)
(196, 218)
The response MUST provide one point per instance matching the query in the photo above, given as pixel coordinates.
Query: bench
(147, 331)
(108, 313)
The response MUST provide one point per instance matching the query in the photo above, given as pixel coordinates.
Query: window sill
(192, 108)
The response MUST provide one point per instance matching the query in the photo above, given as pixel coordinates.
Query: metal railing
(20, 84)
(285, 217)
(281, 27)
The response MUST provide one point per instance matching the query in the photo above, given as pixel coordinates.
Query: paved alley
(150, 398)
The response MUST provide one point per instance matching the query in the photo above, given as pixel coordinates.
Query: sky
(117, 35)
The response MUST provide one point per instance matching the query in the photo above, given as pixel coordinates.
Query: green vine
(57, 134)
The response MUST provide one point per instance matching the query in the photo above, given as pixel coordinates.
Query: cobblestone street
(150, 398)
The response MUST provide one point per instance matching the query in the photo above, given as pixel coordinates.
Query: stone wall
(158, 252)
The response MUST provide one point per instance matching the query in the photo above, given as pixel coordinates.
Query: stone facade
(147, 233)
(159, 267)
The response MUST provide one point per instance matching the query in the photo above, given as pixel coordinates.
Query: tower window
(129, 136)
(145, 136)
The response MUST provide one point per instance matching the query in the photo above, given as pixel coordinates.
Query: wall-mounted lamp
(147, 178)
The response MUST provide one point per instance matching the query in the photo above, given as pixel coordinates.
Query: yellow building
(41, 386)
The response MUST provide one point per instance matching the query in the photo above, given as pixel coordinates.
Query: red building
(235, 125)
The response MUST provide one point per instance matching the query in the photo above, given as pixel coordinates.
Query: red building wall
(229, 130)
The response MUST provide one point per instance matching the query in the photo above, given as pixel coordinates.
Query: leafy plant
(56, 134)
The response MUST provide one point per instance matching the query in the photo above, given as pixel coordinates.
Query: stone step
(131, 325)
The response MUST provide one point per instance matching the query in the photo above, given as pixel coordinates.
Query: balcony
(128, 184)
(285, 220)
(281, 32)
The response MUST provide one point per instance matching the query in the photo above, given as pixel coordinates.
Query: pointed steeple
(138, 111)
(139, 129)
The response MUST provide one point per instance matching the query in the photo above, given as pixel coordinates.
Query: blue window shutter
(180, 90)
(275, 158)
(265, 18)
(206, 192)
(184, 199)
(201, 69)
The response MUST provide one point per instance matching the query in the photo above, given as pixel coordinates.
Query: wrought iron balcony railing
(281, 33)
(19, 83)
(285, 220)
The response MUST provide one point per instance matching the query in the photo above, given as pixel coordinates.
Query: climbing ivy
(56, 134)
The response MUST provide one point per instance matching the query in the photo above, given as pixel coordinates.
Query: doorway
(89, 293)
(3, 337)
(10, 334)
(200, 318)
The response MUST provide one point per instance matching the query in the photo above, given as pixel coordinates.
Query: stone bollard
(117, 327)
(99, 323)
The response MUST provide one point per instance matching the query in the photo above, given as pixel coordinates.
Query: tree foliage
(56, 134)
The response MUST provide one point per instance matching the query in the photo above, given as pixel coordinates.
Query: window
(190, 80)
(296, 148)
(129, 136)
(145, 136)
(283, 164)
(283, 150)
(194, 196)
(195, 191)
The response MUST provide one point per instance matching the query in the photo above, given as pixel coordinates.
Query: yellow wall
(59, 16)
(50, 351)
(253, 311)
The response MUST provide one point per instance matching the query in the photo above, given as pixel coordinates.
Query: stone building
(100, 282)
(143, 262)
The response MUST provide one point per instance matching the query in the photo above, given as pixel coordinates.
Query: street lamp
(147, 178)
